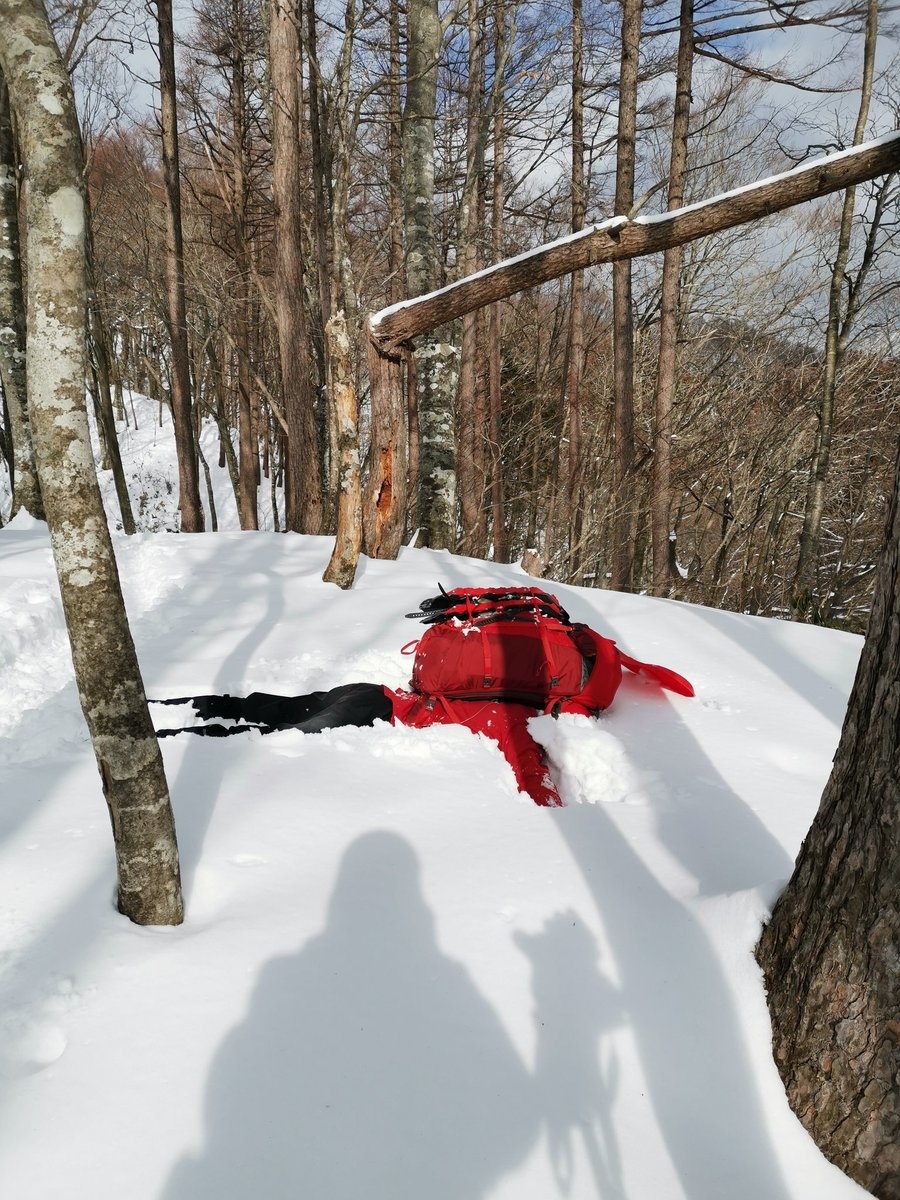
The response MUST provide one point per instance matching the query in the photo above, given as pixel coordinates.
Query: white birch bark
(106, 667)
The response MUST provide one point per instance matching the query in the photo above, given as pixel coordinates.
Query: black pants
(351, 704)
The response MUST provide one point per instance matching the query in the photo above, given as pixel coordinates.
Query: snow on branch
(622, 237)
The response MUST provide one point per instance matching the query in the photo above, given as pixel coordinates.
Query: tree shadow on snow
(196, 787)
(368, 1065)
(678, 1003)
(576, 1079)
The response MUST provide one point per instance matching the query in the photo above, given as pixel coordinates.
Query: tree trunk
(303, 501)
(472, 415)
(624, 511)
(105, 416)
(384, 508)
(500, 534)
(804, 581)
(342, 400)
(26, 491)
(575, 346)
(176, 314)
(829, 952)
(106, 667)
(661, 482)
(435, 365)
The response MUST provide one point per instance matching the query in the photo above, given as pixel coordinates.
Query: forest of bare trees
(717, 423)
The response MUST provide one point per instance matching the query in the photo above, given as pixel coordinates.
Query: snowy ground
(398, 978)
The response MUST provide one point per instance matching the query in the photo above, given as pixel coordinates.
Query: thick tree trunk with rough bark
(831, 952)
(106, 667)
(26, 491)
(188, 465)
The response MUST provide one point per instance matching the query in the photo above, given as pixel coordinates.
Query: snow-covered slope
(398, 978)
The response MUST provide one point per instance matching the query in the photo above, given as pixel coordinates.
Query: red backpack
(519, 645)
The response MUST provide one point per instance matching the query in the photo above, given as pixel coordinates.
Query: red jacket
(504, 722)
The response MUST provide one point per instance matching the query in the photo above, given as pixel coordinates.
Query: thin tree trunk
(321, 166)
(435, 368)
(804, 581)
(348, 541)
(26, 490)
(303, 499)
(624, 514)
(471, 404)
(106, 668)
(397, 286)
(176, 314)
(500, 534)
(829, 953)
(575, 346)
(106, 416)
(661, 481)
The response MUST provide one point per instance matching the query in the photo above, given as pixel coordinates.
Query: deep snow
(398, 977)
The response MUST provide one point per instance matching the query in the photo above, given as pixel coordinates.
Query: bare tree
(661, 487)
(837, 333)
(303, 506)
(188, 463)
(106, 667)
(436, 380)
(622, 564)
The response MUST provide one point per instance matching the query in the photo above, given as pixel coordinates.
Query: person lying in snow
(490, 660)
(363, 704)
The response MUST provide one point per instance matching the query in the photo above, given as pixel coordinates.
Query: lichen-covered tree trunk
(831, 952)
(26, 491)
(436, 360)
(106, 667)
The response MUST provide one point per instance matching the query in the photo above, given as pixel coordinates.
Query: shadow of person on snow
(368, 1064)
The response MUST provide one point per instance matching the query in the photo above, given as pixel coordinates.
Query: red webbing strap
(488, 661)
(548, 655)
(666, 678)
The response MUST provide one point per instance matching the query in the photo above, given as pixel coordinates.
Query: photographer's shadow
(368, 1065)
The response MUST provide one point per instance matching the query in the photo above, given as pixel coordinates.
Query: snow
(397, 976)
